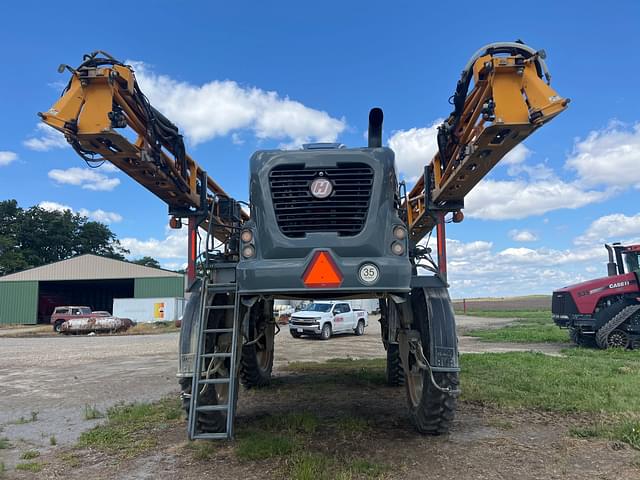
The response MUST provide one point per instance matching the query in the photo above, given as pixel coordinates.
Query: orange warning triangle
(322, 272)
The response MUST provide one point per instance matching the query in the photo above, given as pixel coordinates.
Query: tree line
(34, 236)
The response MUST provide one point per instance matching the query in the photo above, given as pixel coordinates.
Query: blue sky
(538, 222)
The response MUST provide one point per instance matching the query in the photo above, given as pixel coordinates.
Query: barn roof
(88, 267)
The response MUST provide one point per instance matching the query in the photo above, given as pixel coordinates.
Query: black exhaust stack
(617, 248)
(612, 268)
(375, 127)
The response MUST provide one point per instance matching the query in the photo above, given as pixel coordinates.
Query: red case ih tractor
(604, 312)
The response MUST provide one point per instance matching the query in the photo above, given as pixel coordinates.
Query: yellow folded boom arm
(105, 117)
(510, 99)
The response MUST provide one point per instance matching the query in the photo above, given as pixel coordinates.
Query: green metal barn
(29, 297)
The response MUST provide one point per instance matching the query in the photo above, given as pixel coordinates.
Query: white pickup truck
(326, 318)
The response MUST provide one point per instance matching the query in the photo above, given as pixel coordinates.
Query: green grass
(71, 459)
(581, 381)
(130, 429)
(522, 333)
(288, 436)
(262, 445)
(33, 467)
(317, 466)
(275, 435)
(29, 454)
(627, 431)
(534, 326)
(351, 424)
(4, 443)
(523, 314)
(92, 413)
(310, 466)
(295, 422)
(53, 441)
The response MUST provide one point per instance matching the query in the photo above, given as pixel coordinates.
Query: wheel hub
(619, 339)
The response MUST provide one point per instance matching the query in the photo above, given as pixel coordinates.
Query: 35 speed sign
(368, 273)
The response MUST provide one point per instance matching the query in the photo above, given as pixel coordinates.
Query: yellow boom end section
(509, 100)
(105, 117)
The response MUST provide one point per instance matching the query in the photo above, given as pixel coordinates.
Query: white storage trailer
(149, 310)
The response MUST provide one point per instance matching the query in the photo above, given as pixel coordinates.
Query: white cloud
(614, 227)
(414, 148)
(98, 215)
(514, 199)
(609, 157)
(173, 246)
(54, 206)
(86, 178)
(175, 266)
(47, 139)
(522, 236)
(477, 269)
(539, 171)
(109, 167)
(220, 107)
(516, 156)
(7, 157)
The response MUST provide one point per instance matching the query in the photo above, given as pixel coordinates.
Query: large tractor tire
(431, 408)
(256, 364)
(213, 394)
(395, 372)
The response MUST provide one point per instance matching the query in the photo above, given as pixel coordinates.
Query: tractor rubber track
(603, 334)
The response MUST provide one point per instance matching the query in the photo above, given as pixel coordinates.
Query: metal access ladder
(200, 380)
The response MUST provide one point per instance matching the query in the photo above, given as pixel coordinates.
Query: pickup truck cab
(327, 318)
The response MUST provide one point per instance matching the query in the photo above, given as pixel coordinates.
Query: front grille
(344, 211)
(562, 304)
(304, 322)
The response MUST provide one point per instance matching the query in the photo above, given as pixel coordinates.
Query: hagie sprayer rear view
(324, 222)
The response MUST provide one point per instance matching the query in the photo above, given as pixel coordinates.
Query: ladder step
(210, 436)
(218, 330)
(210, 381)
(216, 355)
(213, 408)
(220, 307)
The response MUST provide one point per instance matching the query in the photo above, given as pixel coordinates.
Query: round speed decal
(369, 273)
